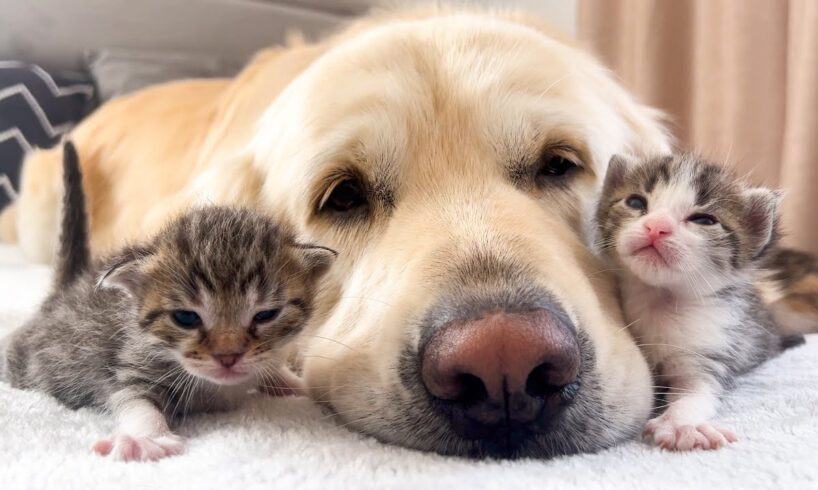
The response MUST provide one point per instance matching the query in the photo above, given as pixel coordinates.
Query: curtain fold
(737, 78)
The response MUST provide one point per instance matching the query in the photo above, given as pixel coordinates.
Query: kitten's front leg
(142, 432)
(685, 425)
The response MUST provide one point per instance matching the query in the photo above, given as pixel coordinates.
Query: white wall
(561, 13)
(55, 33)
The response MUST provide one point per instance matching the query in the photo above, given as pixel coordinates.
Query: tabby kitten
(188, 321)
(688, 237)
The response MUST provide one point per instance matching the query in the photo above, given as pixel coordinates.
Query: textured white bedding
(290, 443)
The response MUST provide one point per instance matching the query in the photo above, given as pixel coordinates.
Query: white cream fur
(368, 96)
(675, 315)
(290, 442)
(439, 100)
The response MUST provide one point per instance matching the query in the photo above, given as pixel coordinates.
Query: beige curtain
(738, 79)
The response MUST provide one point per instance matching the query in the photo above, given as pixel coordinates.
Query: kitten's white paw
(124, 447)
(672, 435)
(718, 436)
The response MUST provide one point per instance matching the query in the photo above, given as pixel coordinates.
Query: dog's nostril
(502, 371)
(472, 389)
(539, 382)
(546, 380)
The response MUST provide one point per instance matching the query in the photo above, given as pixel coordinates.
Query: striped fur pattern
(109, 335)
(688, 238)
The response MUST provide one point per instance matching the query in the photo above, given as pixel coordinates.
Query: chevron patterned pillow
(36, 109)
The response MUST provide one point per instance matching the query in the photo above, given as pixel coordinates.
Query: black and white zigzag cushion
(36, 109)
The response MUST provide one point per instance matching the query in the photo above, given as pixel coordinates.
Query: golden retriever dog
(452, 157)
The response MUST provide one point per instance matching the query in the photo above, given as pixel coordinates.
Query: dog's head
(454, 162)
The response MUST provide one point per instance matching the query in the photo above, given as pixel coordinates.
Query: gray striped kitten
(188, 321)
(688, 237)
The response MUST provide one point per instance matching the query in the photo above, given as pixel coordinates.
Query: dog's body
(453, 160)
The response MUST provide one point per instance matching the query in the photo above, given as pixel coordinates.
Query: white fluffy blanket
(290, 443)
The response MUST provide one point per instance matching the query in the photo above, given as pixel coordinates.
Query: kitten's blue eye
(265, 316)
(637, 202)
(703, 219)
(186, 319)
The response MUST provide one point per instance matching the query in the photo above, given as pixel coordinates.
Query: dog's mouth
(538, 422)
(516, 426)
(506, 377)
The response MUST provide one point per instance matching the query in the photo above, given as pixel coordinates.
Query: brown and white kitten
(688, 237)
(188, 321)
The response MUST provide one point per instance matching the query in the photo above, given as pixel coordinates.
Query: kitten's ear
(315, 258)
(126, 271)
(761, 217)
(617, 168)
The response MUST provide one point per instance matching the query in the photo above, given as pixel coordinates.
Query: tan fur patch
(447, 115)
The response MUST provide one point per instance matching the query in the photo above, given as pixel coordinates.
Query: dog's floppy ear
(126, 271)
(316, 259)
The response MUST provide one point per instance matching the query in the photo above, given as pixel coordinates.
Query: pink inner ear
(617, 167)
(761, 215)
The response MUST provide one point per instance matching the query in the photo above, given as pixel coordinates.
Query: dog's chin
(407, 415)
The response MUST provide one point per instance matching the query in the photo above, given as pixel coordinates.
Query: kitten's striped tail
(74, 256)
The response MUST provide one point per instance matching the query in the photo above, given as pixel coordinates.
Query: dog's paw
(671, 435)
(124, 447)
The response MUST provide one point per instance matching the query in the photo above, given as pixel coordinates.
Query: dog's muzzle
(502, 371)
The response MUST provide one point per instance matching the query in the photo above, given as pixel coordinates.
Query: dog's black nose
(502, 372)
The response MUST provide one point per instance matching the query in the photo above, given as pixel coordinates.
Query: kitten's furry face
(681, 222)
(222, 291)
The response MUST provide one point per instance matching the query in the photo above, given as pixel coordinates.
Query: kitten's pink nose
(227, 360)
(658, 227)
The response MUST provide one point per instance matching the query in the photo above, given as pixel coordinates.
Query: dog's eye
(345, 196)
(703, 219)
(637, 202)
(265, 316)
(186, 318)
(553, 165)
